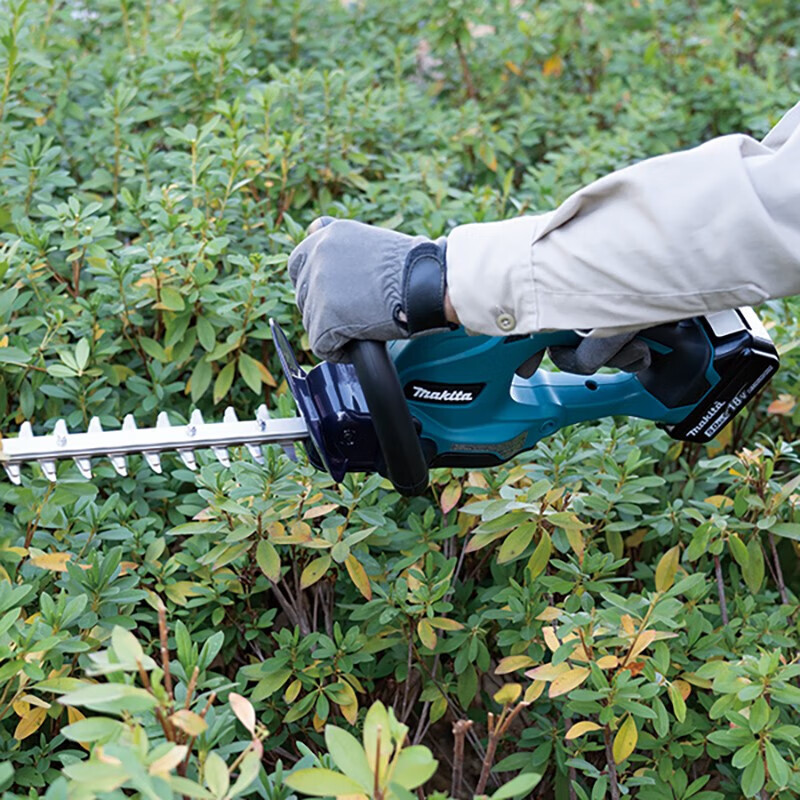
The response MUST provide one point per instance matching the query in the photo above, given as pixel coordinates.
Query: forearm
(706, 229)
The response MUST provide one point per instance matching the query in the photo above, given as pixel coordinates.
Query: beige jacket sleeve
(702, 230)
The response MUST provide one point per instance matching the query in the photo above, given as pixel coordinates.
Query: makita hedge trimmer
(448, 399)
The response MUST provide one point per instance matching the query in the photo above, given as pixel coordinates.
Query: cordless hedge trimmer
(448, 399)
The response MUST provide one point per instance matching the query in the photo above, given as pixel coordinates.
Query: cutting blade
(115, 445)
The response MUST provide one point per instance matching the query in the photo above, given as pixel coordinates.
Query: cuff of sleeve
(490, 276)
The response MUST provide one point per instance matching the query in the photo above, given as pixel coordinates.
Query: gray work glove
(356, 281)
(622, 351)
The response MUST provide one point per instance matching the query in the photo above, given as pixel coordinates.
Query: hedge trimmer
(448, 399)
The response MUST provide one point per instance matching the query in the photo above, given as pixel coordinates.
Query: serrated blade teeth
(162, 421)
(25, 430)
(85, 467)
(230, 415)
(262, 417)
(153, 461)
(129, 423)
(120, 465)
(222, 456)
(290, 452)
(95, 426)
(14, 473)
(49, 469)
(187, 456)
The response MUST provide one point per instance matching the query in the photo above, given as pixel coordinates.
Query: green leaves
(114, 698)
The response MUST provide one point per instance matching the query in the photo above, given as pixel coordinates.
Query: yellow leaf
(56, 562)
(30, 723)
(21, 707)
(625, 740)
(314, 571)
(643, 641)
(683, 687)
(508, 694)
(667, 569)
(627, 624)
(537, 563)
(169, 761)
(534, 691)
(266, 375)
(292, 690)
(512, 67)
(357, 573)
(568, 681)
(607, 662)
(512, 664)
(719, 501)
(477, 480)
(4, 341)
(426, 633)
(575, 539)
(548, 672)
(579, 728)
(445, 624)
(549, 614)
(450, 496)
(350, 708)
(320, 511)
(554, 66)
(550, 638)
(188, 722)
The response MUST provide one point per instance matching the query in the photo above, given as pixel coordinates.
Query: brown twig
(190, 688)
(777, 568)
(162, 632)
(613, 783)
(460, 728)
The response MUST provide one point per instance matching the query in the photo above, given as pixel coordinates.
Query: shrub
(613, 613)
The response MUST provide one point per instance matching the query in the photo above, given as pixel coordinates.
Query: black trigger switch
(530, 365)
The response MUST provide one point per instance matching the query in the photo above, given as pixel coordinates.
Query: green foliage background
(157, 162)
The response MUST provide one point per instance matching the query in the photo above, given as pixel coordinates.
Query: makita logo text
(454, 394)
(716, 406)
(445, 396)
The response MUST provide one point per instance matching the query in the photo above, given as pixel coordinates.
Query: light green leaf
(322, 782)
(518, 786)
(111, 698)
(248, 772)
(414, 766)
(314, 571)
(126, 647)
(216, 775)
(348, 754)
(515, 543)
(268, 560)
(93, 729)
(224, 380)
(171, 299)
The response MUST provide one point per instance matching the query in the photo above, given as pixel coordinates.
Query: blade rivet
(61, 441)
(191, 430)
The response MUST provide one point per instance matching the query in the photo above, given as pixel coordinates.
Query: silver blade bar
(150, 442)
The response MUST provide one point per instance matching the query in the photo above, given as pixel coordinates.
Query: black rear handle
(405, 463)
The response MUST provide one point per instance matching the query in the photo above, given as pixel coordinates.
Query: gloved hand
(622, 351)
(356, 281)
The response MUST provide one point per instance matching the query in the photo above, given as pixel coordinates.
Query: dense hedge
(612, 614)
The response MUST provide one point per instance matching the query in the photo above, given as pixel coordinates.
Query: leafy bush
(613, 613)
